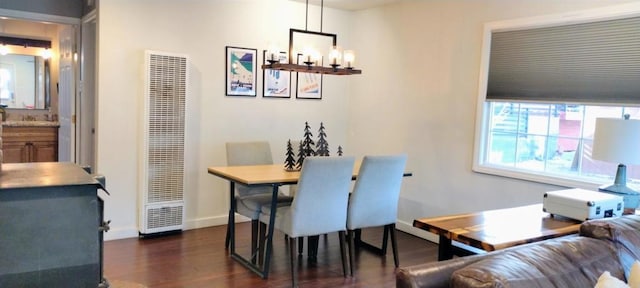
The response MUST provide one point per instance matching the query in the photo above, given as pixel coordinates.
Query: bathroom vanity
(30, 141)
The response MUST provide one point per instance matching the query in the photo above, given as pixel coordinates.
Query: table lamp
(617, 140)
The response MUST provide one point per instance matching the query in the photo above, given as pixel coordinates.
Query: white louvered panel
(165, 104)
(164, 216)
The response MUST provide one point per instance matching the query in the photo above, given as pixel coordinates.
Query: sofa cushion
(623, 232)
(562, 262)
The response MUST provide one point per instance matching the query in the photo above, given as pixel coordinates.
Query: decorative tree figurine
(322, 145)
(339, 150)
(290, 161)
(301, 155)
(307, 142)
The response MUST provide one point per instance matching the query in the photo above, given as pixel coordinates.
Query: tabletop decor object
(322, 145)
(306, 148)
(290, 160)
(616, 140)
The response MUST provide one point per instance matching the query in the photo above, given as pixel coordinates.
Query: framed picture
(309, 85)
(240, 71)
(276, 83)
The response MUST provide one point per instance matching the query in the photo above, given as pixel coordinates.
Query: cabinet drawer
(29, 134)
(29, 144)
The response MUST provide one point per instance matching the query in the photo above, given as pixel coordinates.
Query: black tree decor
(339, 150)
(290, 161)
(322, 145)
(301, 155)
(307, 141)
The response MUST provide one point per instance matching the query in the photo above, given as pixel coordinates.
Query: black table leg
(445, 248)
(251, 265)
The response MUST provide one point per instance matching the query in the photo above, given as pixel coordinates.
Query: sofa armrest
(433, 274)
(623, 232)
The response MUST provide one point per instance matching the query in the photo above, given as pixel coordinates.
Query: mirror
(24, 81)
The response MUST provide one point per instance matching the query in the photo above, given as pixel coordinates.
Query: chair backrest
(249, 153)
(320, 205)
(374, 200)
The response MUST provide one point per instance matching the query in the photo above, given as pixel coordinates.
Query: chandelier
(309, 60)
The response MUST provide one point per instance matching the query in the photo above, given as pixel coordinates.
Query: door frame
(86, 106)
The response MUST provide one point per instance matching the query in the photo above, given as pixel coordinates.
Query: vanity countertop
(12, 123)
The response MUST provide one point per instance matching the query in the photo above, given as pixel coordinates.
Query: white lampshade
(617, 140)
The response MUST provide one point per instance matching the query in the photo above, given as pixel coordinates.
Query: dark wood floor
(197, 258)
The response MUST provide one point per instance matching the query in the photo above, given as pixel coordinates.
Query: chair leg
(254, 240)
(385, 236)
(394, 244)
(352, 249)
(312, 249)
(293, 258)
(300, 245)
(343, 253)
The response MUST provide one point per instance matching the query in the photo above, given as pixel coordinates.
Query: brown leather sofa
(611, 244)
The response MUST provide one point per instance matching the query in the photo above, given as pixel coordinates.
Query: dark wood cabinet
(23, 144)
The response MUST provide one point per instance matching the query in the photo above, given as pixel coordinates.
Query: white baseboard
(121, 233)
(211, 221)
(133, 232)
(408, 228)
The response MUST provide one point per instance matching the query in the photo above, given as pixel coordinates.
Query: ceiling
(350, 4)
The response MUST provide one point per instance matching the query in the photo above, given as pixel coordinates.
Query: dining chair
(374, 202)
(319, 207)
(250, 200)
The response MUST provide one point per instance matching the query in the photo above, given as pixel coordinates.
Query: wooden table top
(265, 174)
(499, 229)
(262, 174)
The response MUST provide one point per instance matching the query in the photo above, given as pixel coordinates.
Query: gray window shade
(597, 62)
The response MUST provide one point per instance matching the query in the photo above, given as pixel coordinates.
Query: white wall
(418, 93)
(202, 29)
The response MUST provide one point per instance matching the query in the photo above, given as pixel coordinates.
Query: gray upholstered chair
(319, 207)
(374, 202)
(249, 201)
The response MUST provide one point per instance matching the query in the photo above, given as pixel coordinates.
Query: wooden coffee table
(495, 229)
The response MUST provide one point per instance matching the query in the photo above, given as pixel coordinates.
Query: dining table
(260, 175)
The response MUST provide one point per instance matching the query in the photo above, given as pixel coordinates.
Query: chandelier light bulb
(349, 58)
(335, 56)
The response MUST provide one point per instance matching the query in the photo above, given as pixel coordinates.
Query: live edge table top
(499, 229)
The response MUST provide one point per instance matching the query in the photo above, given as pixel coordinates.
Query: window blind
(596, 62)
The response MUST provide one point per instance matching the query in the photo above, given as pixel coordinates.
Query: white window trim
(482, 118)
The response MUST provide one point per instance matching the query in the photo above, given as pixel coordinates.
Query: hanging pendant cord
(306, 17)
(321, 13)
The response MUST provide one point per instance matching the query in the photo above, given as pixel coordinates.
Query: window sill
(514, 173)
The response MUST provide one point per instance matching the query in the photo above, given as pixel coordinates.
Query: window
(550, 139)
(543, 84)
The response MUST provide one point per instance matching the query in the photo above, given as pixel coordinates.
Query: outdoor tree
(322, 147)
(339, 150)
(290, 160)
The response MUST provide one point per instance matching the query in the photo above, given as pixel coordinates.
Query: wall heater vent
(162, 193)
